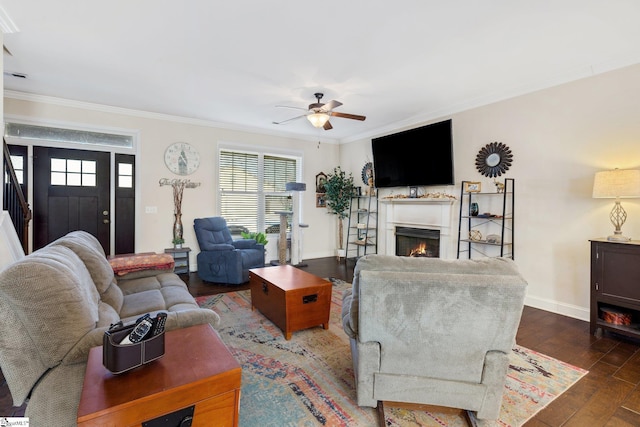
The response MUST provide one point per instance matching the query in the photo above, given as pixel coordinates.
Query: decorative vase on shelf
(474, 209)
(177, 226)
(177, 246)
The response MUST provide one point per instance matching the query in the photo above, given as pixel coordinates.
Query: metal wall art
(494, 159)
(367, 173)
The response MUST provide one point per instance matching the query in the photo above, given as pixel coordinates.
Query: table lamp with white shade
(617, 184)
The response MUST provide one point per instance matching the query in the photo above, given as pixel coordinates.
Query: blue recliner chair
(222, 259)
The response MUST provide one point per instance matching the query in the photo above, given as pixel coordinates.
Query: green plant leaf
(339, 188)
(258, 237)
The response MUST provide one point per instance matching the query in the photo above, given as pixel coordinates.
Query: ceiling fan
(319, 114)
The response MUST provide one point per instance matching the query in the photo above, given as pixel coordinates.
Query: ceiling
(231, 63)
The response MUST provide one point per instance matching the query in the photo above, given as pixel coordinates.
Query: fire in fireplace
(417, 242)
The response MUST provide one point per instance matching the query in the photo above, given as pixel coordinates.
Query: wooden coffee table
(196, 370)
(291, 298)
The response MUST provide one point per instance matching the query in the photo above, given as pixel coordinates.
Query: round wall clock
(181, 158)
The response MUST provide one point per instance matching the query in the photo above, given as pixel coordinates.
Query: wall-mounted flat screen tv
(420, 156)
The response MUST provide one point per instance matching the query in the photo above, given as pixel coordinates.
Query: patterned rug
(308, 381)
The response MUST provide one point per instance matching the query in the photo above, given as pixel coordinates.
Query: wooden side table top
(288, 277)
(177, 250)
(196, 365)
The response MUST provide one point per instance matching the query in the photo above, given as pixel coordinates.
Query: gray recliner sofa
(56, 304)
(433, 331)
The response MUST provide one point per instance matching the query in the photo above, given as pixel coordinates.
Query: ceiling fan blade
(327, 126)
(289, 120)
(331, 105)
(347, 116)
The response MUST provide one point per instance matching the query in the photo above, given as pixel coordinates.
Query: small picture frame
(413, 192)
(321, 201)
(472, 187)
(321, 180)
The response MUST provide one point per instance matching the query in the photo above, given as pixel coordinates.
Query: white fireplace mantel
(429, 213)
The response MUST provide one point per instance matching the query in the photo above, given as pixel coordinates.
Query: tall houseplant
(339, 187)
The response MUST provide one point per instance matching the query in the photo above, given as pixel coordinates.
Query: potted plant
(177, 242)
(339, 189)
(258, 237)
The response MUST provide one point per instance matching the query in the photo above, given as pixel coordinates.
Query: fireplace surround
(435, 214)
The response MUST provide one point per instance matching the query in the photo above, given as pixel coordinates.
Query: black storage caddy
(119, 358)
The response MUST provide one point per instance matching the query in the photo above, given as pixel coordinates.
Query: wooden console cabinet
(615, 287)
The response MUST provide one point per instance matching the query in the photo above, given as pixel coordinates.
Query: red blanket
(129, 263)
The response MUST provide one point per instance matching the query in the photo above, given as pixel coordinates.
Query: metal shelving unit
(486, 223)
(362, 230)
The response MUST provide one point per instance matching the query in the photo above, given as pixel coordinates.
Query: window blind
(252, 187)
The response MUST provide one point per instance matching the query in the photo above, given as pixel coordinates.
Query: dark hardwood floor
(608, 396)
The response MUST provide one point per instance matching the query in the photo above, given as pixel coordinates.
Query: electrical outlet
(151, 209)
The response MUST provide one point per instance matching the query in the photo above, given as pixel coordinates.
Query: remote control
(141, 318)
(139, 332)
(158, 324)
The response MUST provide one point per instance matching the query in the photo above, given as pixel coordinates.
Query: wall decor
(178, 186)
(367, 174)
(494, 159)
(321, 201)
(321, 180)
(472, 187)
(181, 158)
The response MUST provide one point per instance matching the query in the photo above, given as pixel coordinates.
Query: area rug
(308, 381)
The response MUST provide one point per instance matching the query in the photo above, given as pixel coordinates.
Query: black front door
(71, 191)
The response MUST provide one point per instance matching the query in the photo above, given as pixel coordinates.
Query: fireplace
(417, 242)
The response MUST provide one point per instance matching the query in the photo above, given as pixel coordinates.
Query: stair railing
(14, 201)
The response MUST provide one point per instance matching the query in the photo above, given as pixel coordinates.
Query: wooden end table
(291, 298)
(196, 370)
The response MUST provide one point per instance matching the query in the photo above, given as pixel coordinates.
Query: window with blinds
(252, 188)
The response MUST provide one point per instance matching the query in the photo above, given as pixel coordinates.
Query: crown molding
(543, 83)
(62, 102)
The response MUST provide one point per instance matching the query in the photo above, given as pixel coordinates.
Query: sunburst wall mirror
(494, 159)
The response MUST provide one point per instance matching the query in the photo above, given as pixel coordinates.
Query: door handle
(105, 221)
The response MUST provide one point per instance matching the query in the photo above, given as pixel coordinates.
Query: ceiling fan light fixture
(318, 119)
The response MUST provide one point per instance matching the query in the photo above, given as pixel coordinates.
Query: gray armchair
(433, 331)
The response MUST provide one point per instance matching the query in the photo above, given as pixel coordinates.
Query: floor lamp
(617, 184)
(296, 233)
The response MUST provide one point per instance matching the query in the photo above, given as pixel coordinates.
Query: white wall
(559, 137)
(154, 231)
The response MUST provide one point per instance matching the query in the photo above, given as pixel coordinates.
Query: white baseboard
(568, 310)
